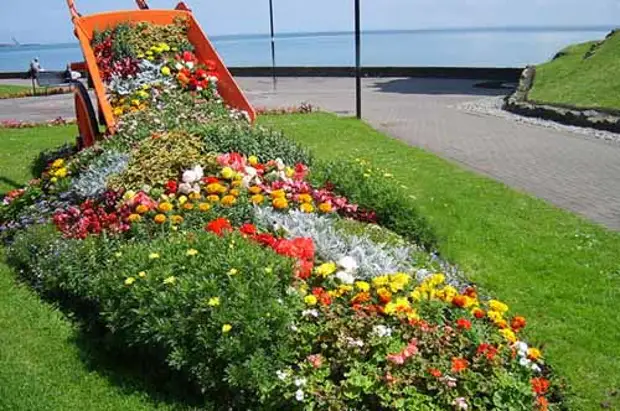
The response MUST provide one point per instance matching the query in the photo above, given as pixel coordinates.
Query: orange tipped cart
(85, 26)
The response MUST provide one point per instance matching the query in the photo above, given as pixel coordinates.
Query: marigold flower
(213, 198)
(518, 323)
(307, 208)
(226, 328)
(436, 280)
(361, 298)
(434, 372)
(498, 306)
(280, 203)
(214, 301)
(534, 354)
(204, 206)
(188, 206)
(459, 364)
(191, 252)
(215, 188)
(326, 269)
(540, 385)
(385, 296)
(462, 301)
(194, 196)
(234, 192)
(257, 199)
(159, 218)
(133, 218)
(310, 300)
(228, 201)
(543, 403)
(463, 324)
(380, 281)
(170, 280)
(253, 160)
(508, 334)
(304, 198)
(130, 281)
(58, 163)
(325, 207)
(478, 313)
(165, 207)
(278, 194)
(362, 286)
(141, 209)
(176, 219)
(255, 190)
(228, 173)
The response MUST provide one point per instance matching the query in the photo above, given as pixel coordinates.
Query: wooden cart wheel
(86, 119)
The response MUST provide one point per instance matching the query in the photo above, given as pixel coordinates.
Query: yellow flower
(326, 269)
(165, 71)
(307, 208)
(226, 328)
(253, 160)
(228, 173)
(508, 335)
(159, 218)
(345, 288)
(204, 206)
(188, 206)
(191, 252)
(362, 286)
(257, 199)
(278, 194)
(228, 200)
(233, 271)
(400, 305)
(194, 196)
(170, 280)
(58, 163)
(234, 192)
(53, 179)
(399, 281)
(134, 218)
(214, 188)
(436, 279)
(498, 306)
(495, 316)
(142, 274)
(534, 353)
(118, 111)
(304, 198)
(214, 301)
(129, 194)
(213, 198)
(61, 172)
(236, 183)
(182, 200)
(141, 209)
(280, 203)
(416, 294)
(380, 281)
(176, 219)
(289, 171)
(255, 189)
(325, 207)
(130, 281)
(310, 299)
(447, 293)
(165, 207)
(135, 102)
(153, 256)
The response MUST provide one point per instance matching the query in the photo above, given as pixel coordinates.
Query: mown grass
(559, 270)
(572, 79)
(7, 90)
(46, 362)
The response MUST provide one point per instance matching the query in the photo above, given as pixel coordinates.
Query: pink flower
(234, 160)
(398, 359)
(316, 360)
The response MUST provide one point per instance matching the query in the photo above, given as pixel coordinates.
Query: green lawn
(45, 362)
(583, 82)
(7, 90)
(560, 271)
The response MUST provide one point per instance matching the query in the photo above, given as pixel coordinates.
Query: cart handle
(142, 5)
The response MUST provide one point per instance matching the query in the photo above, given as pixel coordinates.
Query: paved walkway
(569, 170)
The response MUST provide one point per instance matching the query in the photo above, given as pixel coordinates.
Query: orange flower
(385, 296)
(133, 218)
(534, 354)
(176, 219)
(325, 207)
(257, 199)
(160, 219)
(540, 385)
(141, 209)
(517, 323)
(460, 301)
(478, 313)
(188, 206)
(459, 364)
(543, 404)
(361, 298)
(255, 190)
(228, 200)
(434, 372)
(204, 206)
(463, 324)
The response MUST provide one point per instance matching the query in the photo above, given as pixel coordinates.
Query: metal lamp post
(358, 62)
(273, 44)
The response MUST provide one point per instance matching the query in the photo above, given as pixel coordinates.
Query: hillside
(582, 75)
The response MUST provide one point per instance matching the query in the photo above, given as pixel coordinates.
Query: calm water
(475, 47)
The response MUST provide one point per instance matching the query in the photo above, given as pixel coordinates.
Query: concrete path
(568, 170)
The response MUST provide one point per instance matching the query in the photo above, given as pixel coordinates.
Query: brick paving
(572, 171)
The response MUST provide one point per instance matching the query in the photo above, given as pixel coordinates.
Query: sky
(47, 21)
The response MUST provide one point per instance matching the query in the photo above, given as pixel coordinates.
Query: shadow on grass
(10, 182)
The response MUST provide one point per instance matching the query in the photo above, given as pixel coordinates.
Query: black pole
(358, 62)
(273, 44)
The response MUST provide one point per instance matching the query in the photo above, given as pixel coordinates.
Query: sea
(471, 47)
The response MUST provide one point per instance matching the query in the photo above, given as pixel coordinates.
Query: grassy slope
(573, 80)
(43, 365)
(560, 271)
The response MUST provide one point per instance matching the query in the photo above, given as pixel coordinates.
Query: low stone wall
(518, 103)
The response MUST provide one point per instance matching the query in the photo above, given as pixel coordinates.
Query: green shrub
(161, 158)
(166, 304)
(395, 210)
(241, 137)
(45, 157)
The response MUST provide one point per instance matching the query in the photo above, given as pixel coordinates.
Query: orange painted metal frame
(85, 26)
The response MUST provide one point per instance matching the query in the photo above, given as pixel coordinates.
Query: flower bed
(268, 280)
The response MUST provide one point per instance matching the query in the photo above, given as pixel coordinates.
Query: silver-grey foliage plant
(92, 182)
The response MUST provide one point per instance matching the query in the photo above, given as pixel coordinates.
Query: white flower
(300, 382)
(314, 313)
(186, 188)
(299, 395)
(345, 277)
(348, 263)
(190, 65)
(535, 368)
(178, 66)
(524, 362)
(282, 375)
(521, 347)
(382, 331)
(294, 328)
(280, 164)
(193, 175)
(355, 342)
(460, 403)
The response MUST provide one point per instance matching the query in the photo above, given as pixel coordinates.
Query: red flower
(517, 323)
(478, 313)
(266, 239)
(210, 65)
(219, 226)
(304, 269)
(210, 180)
(463, 324)
(488, 350)
(248, 229)
(459, 364)
(171, 187)
(471, 292)
(434, 372)
(188, 56)
(540, 385)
